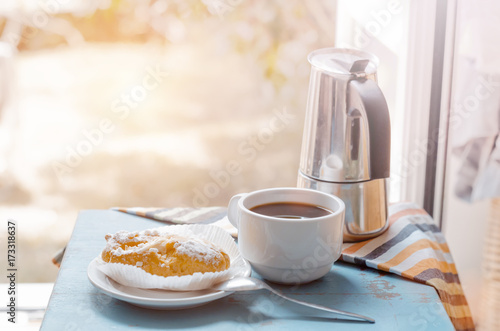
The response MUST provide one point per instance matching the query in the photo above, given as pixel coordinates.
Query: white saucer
(154, 299)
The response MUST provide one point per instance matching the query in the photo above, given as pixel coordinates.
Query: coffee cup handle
(232, 210)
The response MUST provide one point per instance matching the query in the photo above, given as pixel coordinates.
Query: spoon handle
(331, 310)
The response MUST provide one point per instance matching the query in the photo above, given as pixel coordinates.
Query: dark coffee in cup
(291, 210)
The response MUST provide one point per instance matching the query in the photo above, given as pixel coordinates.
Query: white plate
(154, 299)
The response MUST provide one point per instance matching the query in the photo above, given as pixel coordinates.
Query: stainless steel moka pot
(347, 138)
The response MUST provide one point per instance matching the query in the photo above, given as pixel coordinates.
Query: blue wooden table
(395, 303)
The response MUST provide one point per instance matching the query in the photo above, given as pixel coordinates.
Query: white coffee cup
(288, 251)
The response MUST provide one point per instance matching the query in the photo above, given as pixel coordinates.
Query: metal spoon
(250, 284)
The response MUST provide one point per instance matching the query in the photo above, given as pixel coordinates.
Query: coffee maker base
(365, 205)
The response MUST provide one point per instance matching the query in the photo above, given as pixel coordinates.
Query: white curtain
(475, 115)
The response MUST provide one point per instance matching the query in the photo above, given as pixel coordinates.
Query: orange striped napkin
(413, 247)
(179, 215)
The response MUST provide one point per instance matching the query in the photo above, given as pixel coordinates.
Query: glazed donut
(163, 254)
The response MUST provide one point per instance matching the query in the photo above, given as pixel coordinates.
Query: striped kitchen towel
(185, 215)
(412, 247)
(178, 215)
